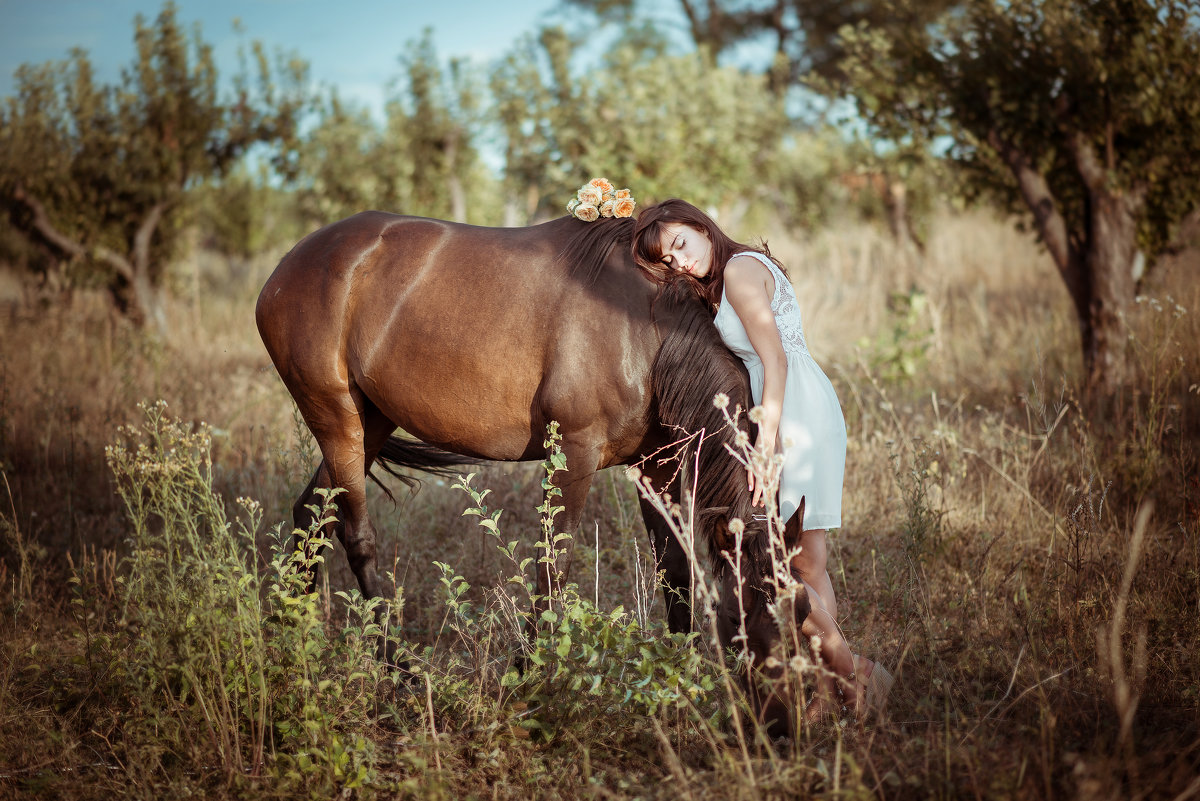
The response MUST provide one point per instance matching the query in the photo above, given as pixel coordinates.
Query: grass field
(1030, 570)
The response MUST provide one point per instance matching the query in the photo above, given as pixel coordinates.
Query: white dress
(812, 431)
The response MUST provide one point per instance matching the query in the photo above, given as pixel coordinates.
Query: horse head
(762, 600)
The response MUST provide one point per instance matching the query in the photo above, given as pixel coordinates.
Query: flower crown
(597, 198)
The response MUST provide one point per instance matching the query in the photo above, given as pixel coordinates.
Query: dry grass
(1032, 573)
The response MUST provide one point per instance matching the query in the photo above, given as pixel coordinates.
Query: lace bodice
(783, 306)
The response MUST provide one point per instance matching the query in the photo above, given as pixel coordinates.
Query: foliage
(99, 175)
(804, 33)
(243, 215)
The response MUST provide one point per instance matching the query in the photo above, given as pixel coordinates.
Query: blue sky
(353, 44)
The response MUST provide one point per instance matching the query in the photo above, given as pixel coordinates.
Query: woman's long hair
(648, 253)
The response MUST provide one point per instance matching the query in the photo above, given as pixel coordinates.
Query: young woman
(754, 307)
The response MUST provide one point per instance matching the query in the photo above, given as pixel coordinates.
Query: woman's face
(686, 250)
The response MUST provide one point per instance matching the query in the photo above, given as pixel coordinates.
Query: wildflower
(736, 526)
(756, 415)
(721, 401)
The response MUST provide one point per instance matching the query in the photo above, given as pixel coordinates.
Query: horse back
(470, 338)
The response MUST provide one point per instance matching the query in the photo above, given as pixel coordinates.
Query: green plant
(216, 663)
(901, 350)
(921, 528)
(579, 661)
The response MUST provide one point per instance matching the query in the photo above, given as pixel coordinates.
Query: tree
(437, 114)
(423, 160)
(802, 34)
(1081, 115)
(340, 166)
(539, 108)
(99, 176)
(665, 125)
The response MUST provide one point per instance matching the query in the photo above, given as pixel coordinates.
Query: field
(1027, 565)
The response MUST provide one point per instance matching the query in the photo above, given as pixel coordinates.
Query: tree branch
(145, 232)
(1040, 200)
(1095, 174)
(693, 22)
(42, 226)
(1087, 162)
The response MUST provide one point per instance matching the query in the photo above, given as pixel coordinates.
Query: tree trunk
(458, 196)
(140, 302)
(1110, 246)
(1103, 311)
(1096, 265)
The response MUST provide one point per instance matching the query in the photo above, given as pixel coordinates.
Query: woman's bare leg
(843, 666)
(811, 562)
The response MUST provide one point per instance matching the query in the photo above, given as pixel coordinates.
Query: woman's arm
(749, 287)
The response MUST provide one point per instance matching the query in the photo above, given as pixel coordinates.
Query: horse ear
(793, 540)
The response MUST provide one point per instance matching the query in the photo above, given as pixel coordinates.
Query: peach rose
(572, 204)
(623, 207)
(590, 195)
(602, 184)
(623, 193)
(606, 208)
(587, 212)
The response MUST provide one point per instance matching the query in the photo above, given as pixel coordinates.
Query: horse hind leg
(349, 431)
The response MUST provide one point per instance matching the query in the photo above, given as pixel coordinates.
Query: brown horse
(472, 339)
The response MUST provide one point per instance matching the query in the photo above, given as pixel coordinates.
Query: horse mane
(692, 366)
(589, 249)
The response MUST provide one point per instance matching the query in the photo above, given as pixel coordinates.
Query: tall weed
(221, 666)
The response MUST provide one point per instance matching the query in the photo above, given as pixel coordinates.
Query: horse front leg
(672, 563)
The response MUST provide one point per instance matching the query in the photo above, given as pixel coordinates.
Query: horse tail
(413, 454)
(692, 367)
